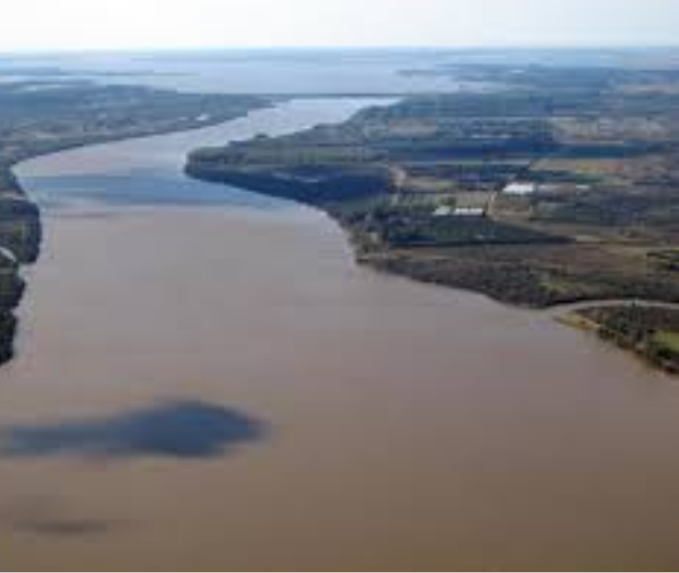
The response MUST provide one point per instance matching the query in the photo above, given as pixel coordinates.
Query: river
(205, 379)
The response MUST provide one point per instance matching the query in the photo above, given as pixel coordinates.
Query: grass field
(668, 339)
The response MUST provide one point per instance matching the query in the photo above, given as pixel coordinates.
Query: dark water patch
(63, 527)
(141, 189)
(51, 516)
(184, 429)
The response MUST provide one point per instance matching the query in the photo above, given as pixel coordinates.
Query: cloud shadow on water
(185, 429)
(52, 516)
(64, 527)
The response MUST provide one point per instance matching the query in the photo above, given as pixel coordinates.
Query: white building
(8, 258)
(469, 212)
(520, 188)
(443, 211)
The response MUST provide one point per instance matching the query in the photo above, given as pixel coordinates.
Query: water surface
(343, 71)
(325, 416)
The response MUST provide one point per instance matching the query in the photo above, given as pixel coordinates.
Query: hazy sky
(115, 24)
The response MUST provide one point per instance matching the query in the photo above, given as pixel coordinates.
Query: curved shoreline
(560, 309)
(567, 313)
(647, 329)
(360, 255)
(369, 372)
(376, 260)
(33, 236)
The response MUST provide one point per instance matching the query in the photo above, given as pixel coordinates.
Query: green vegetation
(651, 332)
(419, 185)
(414, 227)
(666, 259)
(43, 117)
(11, 290)
(668, 340)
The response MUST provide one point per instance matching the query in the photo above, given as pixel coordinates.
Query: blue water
(149, 171)
(267, 72)
(142, 188)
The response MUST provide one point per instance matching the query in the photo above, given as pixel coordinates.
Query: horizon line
(325, 48)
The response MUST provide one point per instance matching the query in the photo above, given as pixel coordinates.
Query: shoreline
(644, 329)
(380, 260)
(375, 259)
(11, 271)
(569, 313)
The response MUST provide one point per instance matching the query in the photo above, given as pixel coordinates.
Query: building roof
(469, 211)
(443, 211)
(520, 188)
(7, 257)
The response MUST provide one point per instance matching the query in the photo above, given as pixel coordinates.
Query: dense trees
(652, 332)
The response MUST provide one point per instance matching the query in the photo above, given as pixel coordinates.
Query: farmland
(420, 184)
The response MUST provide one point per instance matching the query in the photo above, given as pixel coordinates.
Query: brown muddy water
(214, 384)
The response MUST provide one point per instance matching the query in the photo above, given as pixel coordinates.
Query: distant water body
(261, 72)
(206, 380)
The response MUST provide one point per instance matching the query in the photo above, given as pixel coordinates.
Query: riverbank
(425, 410)
(651, 331)
(40, 119)
(506, 193)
